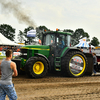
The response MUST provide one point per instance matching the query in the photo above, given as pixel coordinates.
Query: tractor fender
(70, 49)
(37, 54)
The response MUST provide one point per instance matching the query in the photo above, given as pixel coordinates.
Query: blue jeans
(95, 66)
(94, 71)
(7, 90)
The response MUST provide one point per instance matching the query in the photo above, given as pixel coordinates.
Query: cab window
(49, 39)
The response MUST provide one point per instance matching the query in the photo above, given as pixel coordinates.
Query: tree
(7, 31)
(43, 27)
(40, 30)
(20, 36)
(79, 34)
(30, 39)
(94, 41)
(69, 30)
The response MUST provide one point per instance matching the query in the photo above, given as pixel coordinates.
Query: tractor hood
(36, 47)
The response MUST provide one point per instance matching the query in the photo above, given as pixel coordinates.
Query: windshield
(61, 41)
(49, 39)
(65, 40)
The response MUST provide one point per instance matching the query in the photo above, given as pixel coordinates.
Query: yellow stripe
(34, 48)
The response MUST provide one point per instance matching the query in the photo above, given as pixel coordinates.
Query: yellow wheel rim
(38, 67)
(79, 59)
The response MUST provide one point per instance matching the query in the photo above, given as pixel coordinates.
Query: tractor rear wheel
(36, 67)
(74, 64)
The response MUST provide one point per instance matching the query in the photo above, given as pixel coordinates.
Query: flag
(31, 33)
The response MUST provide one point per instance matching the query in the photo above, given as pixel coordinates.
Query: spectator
(18, 49)
(7, 70)
(39, 42)
(5, 48)
(94, 63)
(0, 48)
(81, 50)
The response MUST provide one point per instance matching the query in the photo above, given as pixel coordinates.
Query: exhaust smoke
(14, 7)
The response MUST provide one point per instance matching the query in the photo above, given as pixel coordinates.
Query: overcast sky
(62, 14)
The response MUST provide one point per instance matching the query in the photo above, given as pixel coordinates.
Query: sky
(62, 14)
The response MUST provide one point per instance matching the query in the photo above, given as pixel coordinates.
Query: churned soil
(57, 87)
(53, 87)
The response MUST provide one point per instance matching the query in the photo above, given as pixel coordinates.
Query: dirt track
(58, 88)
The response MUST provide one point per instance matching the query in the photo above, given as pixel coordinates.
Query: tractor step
(58, 64)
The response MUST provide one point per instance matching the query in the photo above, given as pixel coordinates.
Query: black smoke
(14, 7)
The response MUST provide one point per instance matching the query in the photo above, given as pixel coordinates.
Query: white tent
(82, 43)
(5, 41)
(85, 44)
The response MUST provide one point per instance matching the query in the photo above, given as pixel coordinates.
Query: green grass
(1, 57)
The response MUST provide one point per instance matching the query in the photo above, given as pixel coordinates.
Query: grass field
(1, 57)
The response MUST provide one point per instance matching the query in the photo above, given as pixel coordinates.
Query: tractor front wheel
(36, 67)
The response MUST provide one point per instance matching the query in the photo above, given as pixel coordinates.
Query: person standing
(0, 48)
(7, 70)
(95, 63)
(61, 43)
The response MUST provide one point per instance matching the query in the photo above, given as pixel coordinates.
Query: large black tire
(36, 67)
(74, 64)
(18, 64)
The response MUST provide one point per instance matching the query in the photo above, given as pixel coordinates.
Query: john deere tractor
(54, 54)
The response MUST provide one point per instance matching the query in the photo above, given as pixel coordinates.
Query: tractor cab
(57, 41)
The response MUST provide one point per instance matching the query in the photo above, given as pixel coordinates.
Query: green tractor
(55, 54)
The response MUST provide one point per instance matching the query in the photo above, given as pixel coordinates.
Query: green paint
(63, 51)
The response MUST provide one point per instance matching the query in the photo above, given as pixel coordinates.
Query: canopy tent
(5, 41)
(85, 44)
(82, 43)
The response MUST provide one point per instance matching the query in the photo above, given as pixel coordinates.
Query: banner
(31, 33)
(16, 53)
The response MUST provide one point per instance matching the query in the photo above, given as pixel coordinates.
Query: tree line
(9, 32)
